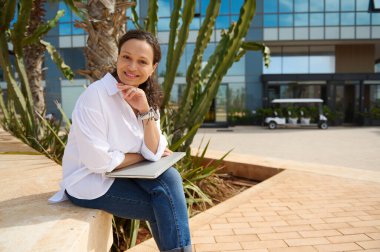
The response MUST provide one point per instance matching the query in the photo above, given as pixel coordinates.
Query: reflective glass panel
(322, 64)
(316, 19)
(130, 25)
(224, 7)
(295, 64)
(375, 18)
(236, 5)
(301, 20)
(347, 5)
(362, 18)
(208, 52)
(204, 4)
(236, 94)
(162, 65)
(67, 16)
(197, 7)
(65, 29)
(286, 20)
(195, 24)
(347, 18)
(270, 20)
(362, 5)
(316, 5)
(238, 68)
(274, 66)
(301, 6)
(286, 6)
(164, 8)
(270, 6)
(376, 4)
(235, 18)
(222, 22)
(189, 51)
(221, 104)
(163, 24)
(332, 5)
(332, 19)
(77, 31)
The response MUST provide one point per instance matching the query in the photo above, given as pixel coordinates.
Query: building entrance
(349, 103)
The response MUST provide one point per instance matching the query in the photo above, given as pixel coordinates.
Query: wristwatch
(150, 114)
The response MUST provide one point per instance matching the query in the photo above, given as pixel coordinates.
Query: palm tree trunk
(34, 57)
(104, 25)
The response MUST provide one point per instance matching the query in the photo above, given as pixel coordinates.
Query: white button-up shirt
(104, 127)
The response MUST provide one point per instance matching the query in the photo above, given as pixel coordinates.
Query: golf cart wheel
(272, 125)
(323, 125)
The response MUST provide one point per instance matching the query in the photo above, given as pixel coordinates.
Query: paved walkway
(318, 204)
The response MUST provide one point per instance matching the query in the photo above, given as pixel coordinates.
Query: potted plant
(375, 116)
(305, 115)
(292, 115)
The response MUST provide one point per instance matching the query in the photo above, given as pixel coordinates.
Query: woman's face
(135, 62)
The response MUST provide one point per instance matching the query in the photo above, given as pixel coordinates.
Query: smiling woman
(111, 129)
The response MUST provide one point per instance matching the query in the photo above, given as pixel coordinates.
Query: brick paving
(293, 211)
(306, 207)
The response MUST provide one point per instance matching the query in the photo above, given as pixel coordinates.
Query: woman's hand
(135, 97)
(167, 152)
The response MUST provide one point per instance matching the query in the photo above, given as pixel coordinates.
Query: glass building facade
(327, 49)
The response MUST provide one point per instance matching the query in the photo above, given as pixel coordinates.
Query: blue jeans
(160, 201)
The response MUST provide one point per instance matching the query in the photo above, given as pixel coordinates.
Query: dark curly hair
(150, 86)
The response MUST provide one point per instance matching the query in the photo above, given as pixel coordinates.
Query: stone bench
(27, 221)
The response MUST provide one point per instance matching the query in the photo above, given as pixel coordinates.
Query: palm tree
(34, 56)
(104, 22)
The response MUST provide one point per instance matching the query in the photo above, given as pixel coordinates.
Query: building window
(301, 6)
(332, 5)
(270, 6)
(66, 22)
(377, 67)
(375, 5)
(297, 60)
(316, 6)
(74, 58)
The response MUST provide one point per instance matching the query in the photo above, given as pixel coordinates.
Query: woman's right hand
(135, 97)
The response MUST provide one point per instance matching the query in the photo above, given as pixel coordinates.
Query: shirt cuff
(149, 155)
(117, 157)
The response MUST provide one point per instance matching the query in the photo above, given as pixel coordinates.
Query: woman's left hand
(135, 97)
(167, 152)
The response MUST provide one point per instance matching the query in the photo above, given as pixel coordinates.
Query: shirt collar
(110, 84)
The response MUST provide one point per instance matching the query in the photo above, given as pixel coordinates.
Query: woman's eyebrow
(140, 56)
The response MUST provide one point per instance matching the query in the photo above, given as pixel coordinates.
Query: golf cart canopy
(301, 100)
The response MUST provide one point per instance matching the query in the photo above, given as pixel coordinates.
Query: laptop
(147, 169)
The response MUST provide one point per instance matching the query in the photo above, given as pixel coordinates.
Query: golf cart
(295, 116)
